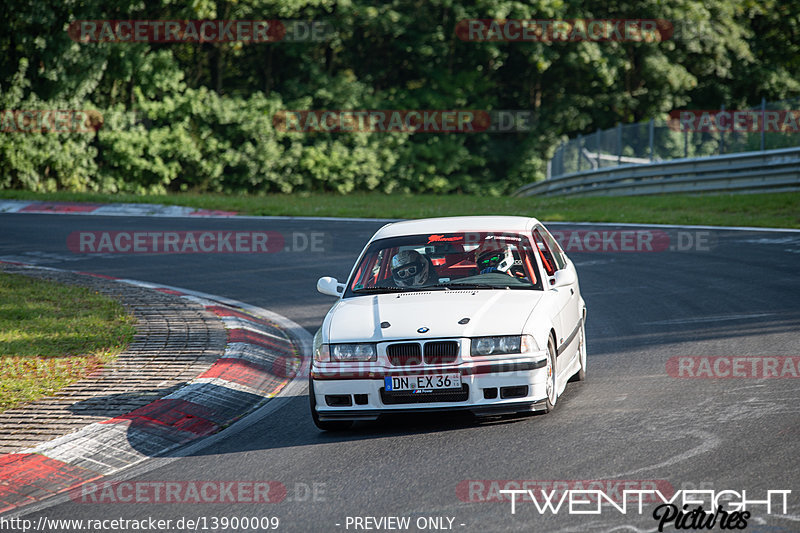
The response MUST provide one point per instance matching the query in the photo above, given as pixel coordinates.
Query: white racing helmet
(495, 259)
(409, 269)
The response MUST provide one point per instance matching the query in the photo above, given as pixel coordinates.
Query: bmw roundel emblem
(423, 330)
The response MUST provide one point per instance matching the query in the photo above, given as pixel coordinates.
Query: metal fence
(654, 141)
(767, 171)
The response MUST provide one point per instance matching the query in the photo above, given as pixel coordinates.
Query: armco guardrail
(768, 171)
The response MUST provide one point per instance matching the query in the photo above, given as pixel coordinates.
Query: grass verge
(52, 335)
(764, 210)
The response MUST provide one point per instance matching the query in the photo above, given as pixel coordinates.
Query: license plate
(426, 382)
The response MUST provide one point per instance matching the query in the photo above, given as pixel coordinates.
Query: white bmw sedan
(482, 314)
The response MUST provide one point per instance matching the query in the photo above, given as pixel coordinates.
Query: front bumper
(345, 392)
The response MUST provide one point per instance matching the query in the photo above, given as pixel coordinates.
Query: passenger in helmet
(411, 269)
(496, 259)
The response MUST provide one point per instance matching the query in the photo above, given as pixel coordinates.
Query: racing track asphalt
(629, 421)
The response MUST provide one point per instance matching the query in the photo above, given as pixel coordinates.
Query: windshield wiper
(469, 286)
(379, 290)
(452, 285)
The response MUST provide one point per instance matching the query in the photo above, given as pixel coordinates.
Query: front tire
(550, 388)
(582, 348)
(581, 374)
(324, 425)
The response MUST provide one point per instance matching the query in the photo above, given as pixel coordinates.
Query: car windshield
(473, 260)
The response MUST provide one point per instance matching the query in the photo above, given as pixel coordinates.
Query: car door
(567, 297)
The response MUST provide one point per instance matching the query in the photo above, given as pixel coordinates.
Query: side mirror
(330, 286)
(564, 278)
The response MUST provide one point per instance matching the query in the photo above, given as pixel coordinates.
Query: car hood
(490, 312)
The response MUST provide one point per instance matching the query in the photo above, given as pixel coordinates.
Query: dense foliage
(198, 117)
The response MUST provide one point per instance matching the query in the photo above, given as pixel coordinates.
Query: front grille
(451, 395)
(404, 354)
(441, 352)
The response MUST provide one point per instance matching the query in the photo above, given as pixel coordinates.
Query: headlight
(353, 352)
(322, 352)
(502, 345)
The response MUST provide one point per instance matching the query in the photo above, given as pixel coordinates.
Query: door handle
(572, 291)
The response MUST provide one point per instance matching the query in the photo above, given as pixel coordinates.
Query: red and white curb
(264, 353)
(83, 208)
(149, 210)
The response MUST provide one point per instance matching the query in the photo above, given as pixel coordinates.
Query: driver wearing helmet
(412, 269)
(497, 259)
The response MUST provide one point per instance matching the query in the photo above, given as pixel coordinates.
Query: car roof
(456, 225)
